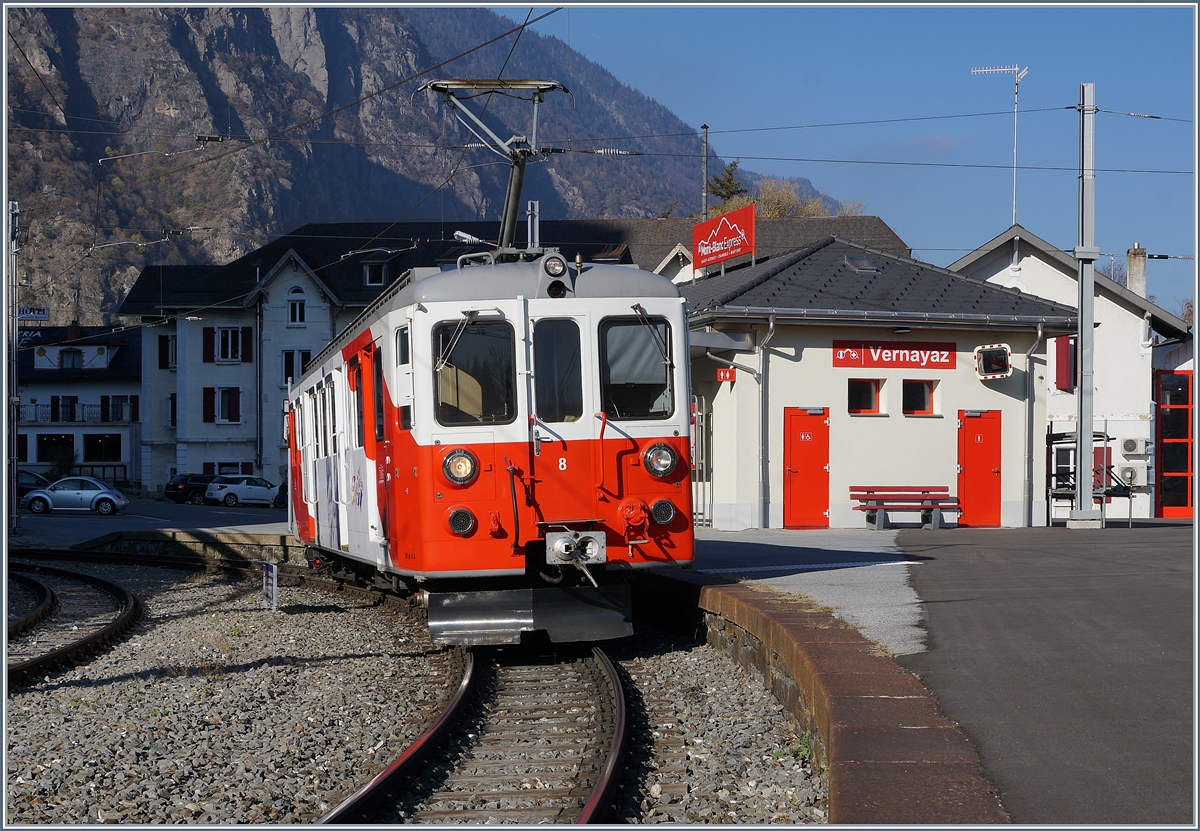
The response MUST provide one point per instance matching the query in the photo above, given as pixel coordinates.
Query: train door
(335, 386)
(380, 532)
(979, 467)
(562, 425)
(806, 467)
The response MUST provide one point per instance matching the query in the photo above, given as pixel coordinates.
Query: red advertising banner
(898, 354)
(724, 237)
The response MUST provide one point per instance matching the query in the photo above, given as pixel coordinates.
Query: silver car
(75, 493)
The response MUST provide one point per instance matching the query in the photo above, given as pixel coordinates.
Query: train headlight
(460, 467)
(660, 460)
(555, 266)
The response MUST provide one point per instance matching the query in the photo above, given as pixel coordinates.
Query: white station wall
(889, 448)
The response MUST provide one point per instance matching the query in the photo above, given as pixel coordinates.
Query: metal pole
(14, 399)
(1085, 515)
(704, 172)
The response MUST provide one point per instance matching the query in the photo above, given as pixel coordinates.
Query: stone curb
(890, 755)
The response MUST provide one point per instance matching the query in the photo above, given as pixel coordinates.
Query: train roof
(506, 281)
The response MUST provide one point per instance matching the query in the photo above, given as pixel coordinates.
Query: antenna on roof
(1018, 74)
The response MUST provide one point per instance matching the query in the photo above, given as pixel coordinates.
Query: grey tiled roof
(647, 243)
(822, 280)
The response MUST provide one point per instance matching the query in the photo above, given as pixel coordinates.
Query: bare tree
(1114, 271)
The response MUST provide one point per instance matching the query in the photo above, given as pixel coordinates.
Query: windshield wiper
(444, 357)
(644, 319)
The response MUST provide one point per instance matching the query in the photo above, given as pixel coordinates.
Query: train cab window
(474, 372)
(636, 368)
(402, 346)
(558, 375)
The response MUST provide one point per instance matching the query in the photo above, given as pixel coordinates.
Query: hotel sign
(33, 313)
(894, 354)
(724, 237)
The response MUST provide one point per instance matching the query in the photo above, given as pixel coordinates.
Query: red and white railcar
(506, 441)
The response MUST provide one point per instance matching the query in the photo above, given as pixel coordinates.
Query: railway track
(520, 742)
(79, 613)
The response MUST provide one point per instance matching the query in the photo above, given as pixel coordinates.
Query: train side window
(323, 415)
(402, 346)
(475, 372)
(558, 374)
(356, 378)
(333, 435)
(377, 363)
(636, 368)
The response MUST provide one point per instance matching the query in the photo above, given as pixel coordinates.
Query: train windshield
(474, 372)
(558, 376)
(636, 369)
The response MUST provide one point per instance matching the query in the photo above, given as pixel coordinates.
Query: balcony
(116, 413)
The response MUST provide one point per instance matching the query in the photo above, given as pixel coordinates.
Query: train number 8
(562, 463)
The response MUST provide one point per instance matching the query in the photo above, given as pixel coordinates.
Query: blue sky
(741, 69)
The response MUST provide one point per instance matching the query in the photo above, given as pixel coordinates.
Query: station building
(839, 365)
(1140, 436)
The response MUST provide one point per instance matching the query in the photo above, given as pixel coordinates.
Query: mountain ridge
(105, 106)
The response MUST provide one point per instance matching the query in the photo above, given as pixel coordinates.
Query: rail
(125, 619)
(363, 803)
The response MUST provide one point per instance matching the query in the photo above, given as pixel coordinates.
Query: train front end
(558, 447)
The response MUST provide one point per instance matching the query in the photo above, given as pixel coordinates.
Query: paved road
(1067, 658)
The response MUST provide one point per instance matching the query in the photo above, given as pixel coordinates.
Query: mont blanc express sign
(898, 354)
(723, 238)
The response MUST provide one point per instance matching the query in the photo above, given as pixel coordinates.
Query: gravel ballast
(216, 711)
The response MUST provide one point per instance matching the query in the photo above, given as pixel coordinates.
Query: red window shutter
(210, 468)
(173, 399)
(164, 351)
(1064, 363)
(133, 408)
(210, 404)
(248, 468)
(210, 344)
(247, 344)
(235, 410)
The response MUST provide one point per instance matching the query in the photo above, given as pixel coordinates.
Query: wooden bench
(932, 502)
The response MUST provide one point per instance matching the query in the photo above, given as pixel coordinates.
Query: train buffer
(932, 502)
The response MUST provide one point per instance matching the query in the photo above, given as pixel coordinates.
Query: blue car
(76, 493)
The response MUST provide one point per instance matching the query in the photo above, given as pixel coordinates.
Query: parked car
(188, 487)
(76, 493)
(230, 490)
(27, 481)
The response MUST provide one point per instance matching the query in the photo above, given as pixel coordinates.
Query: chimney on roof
(1135, 270)
(74, 330)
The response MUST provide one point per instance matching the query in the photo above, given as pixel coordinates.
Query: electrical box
(993, 361)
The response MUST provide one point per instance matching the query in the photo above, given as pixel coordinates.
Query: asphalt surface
(67, 528)
(1067, 657)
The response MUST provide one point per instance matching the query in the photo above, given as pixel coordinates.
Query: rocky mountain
(193, 135)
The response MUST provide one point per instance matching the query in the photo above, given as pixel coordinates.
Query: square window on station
(862, 395)
(918, 398)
